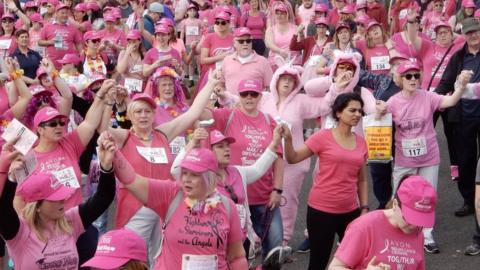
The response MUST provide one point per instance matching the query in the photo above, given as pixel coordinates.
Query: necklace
(144, 139)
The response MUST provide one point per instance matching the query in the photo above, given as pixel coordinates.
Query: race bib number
(199, 262)
(314, 60)
(67, 177)
(242, 213)
(192, 30)
(177, 145)
(5, 44)
(133, 85)
(414, 147)
(380, 62)
(154, 155)
(330, 122)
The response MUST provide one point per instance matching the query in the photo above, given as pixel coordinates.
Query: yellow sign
(378, 135)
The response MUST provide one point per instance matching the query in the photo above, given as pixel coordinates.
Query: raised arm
(294, 156)
(24, 95)
(92, 120)
(412, 30)
(178, 125)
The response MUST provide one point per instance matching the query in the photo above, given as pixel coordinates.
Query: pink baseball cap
(36, 17)
(81, 7)
(46, 114)
(109, 17)
(217, 136)
(161, 28)
(360, 6)
(363, 19)
(91, 35)
(167, 21)
(348, 9)
(321, 7)
(342, 25)
(37, 89)
(70, 58)
(418, 199)
(242, 31)
(115, 248)
(97, 77)
(373, 23)
(281, 7)
(134, 35)
(53, 2)
(31, 4)
(468, 4)
(223, 16)
(61, 6)
(250, 85)
(200, 160)
(41, 2)
(117, 12)
(8, 15)
(407, 66)
(92, 6)
(442, 24)
(396, 57)
(43, 186)
(41, 71)
(321, 20)
(146, 98)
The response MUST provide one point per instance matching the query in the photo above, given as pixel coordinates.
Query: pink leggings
(292, 183)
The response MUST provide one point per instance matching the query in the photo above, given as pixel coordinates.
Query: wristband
(278, 190)
(102, 170)
(364, 207)
(16, 74)
(123, 170)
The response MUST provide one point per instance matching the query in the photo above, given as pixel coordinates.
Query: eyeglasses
(346, 67)
(253, 94)
(95, 40)
(232, 193)
(54, 123)
(7, 21)
(219, 22)
(242, 41)
(409, 76)
(278, 12)
(441, 33)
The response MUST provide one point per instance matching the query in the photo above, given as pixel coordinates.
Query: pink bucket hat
(250, 85)
(407, 66)
(37, 89)
(223, 16)
(134, 35)
(117, 247)
(70, 58)
(46, 114)
(44, 187)
(146, 98)
(200, 160)
(418, 200)
(36, 17)
(217, 136)
(242, 31)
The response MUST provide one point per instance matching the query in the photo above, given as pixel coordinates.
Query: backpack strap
(171, 208)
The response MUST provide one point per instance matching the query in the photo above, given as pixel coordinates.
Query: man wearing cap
(154, 14)
(245, 63)
(60, 37)
(321, 11)
(28, 59)
(466, 114)
(390, 239)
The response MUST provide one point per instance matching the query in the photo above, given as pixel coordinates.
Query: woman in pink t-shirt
(45, 234)
(340, 189)
(149, 151)
(255, 19)
(113, 38)
(390, 239)
(416, 147)
(129, 64)
(199, 224)
(278, 36)
(375, 49)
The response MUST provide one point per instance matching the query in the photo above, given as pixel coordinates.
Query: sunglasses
(95, 40)
(232, 193)
(242, 41)
(54, 123)
(7, 21)
(221, 22)
(409, 76)
(253, 94)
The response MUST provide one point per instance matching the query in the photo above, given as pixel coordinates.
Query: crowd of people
(197, 121)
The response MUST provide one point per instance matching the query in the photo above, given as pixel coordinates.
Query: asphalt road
(451, 233)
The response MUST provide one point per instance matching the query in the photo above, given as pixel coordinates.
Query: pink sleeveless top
(137, 154)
